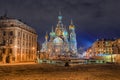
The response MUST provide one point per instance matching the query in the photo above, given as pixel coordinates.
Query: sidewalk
(25, 63)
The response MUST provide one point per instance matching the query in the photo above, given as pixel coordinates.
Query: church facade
(61, 41)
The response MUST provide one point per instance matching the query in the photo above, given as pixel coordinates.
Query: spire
(59, 12)
(71, 22)
(65, 27)
(52, 29)
(5, 14)
(71, 26)
(46, 36)
(60, 17)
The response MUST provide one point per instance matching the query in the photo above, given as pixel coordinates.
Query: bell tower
(73, 42)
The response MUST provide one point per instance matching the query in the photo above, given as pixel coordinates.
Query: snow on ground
(54, 72)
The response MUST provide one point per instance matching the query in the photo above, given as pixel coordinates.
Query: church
(60, 42)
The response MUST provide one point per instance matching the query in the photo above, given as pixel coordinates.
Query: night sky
(93, 18)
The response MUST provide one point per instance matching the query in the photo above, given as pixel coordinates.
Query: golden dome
(71, 27)
(46, 36)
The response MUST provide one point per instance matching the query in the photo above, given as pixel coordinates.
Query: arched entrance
(7, 59)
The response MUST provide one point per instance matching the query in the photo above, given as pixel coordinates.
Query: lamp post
(49, 52)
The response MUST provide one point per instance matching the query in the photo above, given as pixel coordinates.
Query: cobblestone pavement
(33, 71)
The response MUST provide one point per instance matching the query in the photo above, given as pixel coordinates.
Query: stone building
(18, 41)
(116, 46)
(102, 46)
(107, 49)
(116, 50)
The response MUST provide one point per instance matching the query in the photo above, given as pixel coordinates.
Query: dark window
(4, 42)
(10, 50)
(23, 43)
(4, 33)
(98, 42)
(10, 41)
(26, 36)
(3, 50)
(18, 50)
(23, 36)
(98, 46)
(103, 45)
(103, 42)
(11, 33)
(12, 25)
(18, 34)
(18, 42)
(29, 37)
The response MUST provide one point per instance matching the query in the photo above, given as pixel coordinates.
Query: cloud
(96, 17)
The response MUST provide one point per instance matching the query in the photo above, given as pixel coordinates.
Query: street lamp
(56, 50)
(15, 46)
(49, 50)
(33, 48)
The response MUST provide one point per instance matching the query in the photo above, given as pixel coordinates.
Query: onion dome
(60, 17)
(71, 26)
(65, 33)
(52, 33)
(46, 36)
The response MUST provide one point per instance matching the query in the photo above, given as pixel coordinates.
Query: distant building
(116, 50)
(18, 41)
(116, 46)
(102, 46)
(88, 53)
(108, 49)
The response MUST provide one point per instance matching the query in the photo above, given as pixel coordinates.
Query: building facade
(60, 41)
(102, 46)
(116, 46)
(116, 50)
(107, 49)
(18, 41)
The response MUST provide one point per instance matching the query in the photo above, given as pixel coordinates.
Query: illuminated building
(88, 53)
(18, 41)
(107, 49)
(116, 46)
(61, 43)
(116, 50)
(102, 46)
